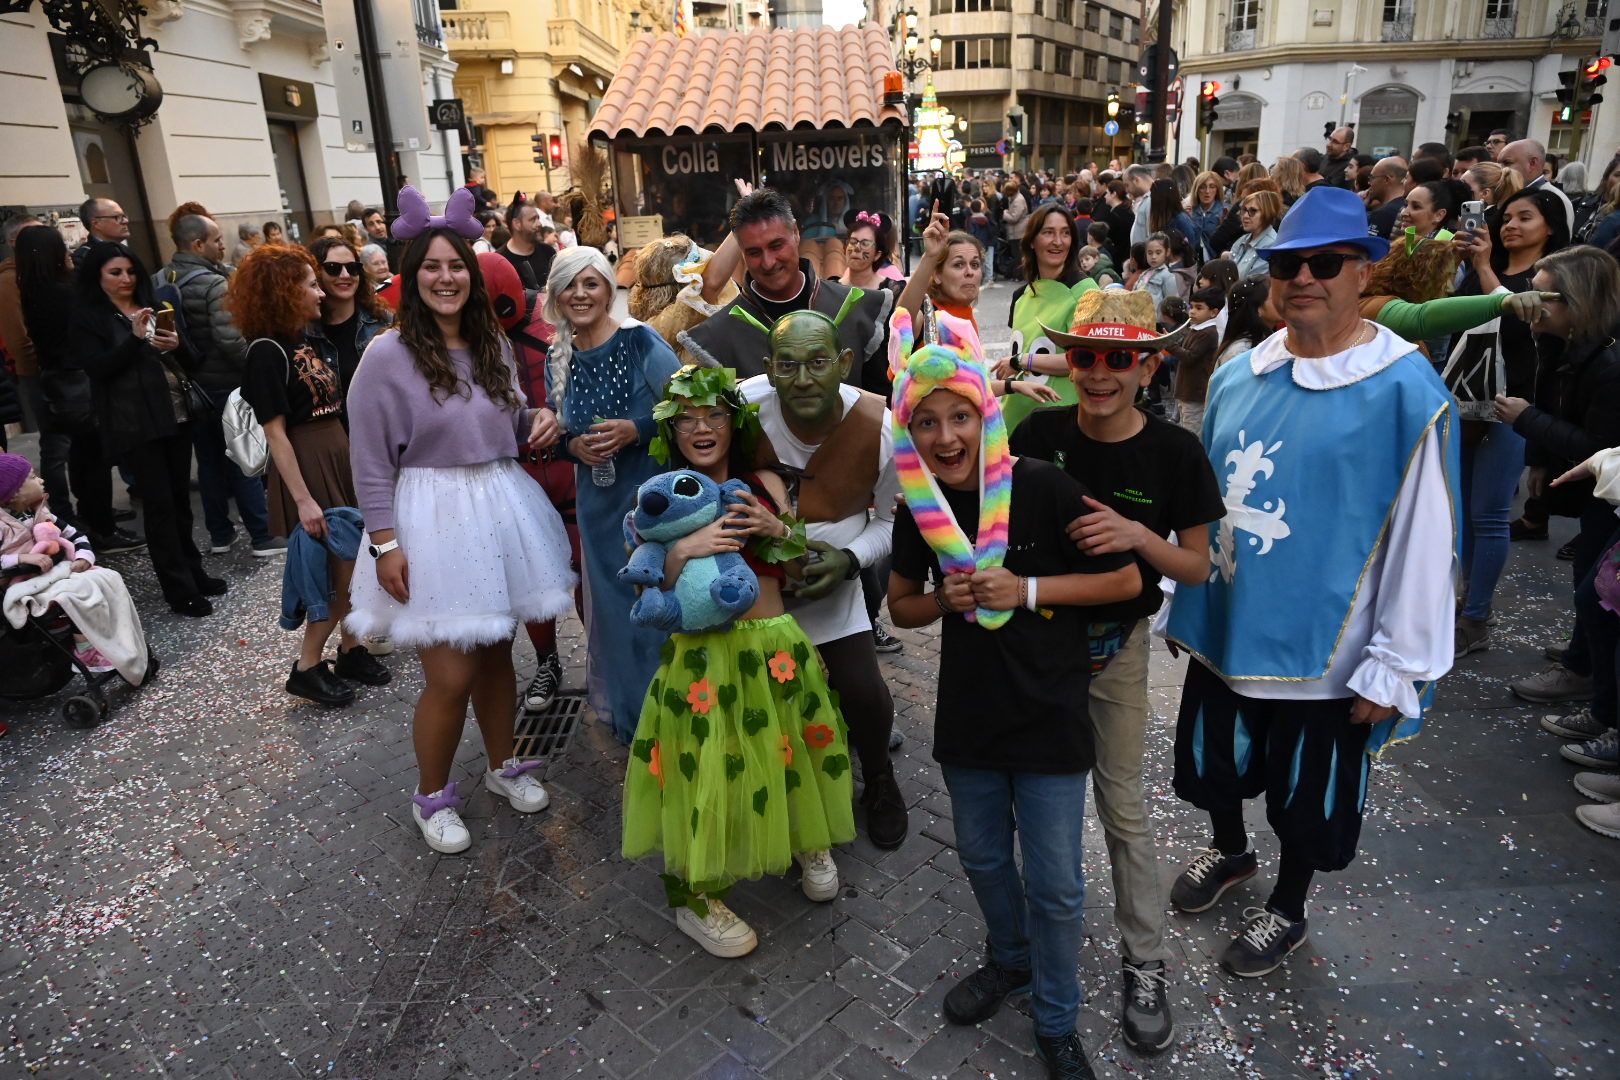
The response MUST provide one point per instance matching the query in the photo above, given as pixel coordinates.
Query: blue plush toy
(712, 591)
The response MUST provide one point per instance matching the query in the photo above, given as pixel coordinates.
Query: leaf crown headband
(707, 387)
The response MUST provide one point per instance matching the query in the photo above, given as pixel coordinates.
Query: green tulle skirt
(741, 758)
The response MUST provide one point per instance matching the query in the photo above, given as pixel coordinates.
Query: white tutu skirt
(484, 549)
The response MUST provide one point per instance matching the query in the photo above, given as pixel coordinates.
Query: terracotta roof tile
(739, 81)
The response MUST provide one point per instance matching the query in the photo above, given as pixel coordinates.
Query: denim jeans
(219, 480)
(1490, 476)
(1600, 629)
(1036, 920)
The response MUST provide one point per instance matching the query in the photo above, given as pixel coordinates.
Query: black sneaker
(358, 665)
(212, 586)
(319, 684)
(976, 998)
(886, 819)
(123, 515)
(885, 641)
(1208, 876)
(1064, 1056)
(1264, 944)
(1146, 1022)
(542, 689)
(116, 541)
(1567, 552)
(196, 607)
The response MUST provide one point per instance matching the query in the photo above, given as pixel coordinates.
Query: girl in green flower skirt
(740, 763)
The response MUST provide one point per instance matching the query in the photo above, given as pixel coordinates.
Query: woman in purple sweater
(464, 547)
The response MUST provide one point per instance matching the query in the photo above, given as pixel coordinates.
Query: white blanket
(97, 602)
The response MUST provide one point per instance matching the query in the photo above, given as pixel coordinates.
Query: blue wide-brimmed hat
(1323, 216)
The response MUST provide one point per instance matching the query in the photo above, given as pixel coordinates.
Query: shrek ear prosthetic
(955, 362)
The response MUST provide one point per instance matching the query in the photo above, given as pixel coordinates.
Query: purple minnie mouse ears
(414, 218)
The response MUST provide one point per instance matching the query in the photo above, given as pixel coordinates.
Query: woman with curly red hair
(293, 383)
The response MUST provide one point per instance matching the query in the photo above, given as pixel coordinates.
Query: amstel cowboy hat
(1114, 318)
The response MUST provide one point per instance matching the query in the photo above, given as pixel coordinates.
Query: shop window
(684, 182)
(828, 179)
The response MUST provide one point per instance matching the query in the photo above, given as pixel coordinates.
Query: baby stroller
(38, 660)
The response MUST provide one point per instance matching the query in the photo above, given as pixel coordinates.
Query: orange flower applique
(787, 752)
(818, 736)
(655, 765)
(782, 666)
(700, 696)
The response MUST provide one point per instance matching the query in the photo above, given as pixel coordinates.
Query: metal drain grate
(547, 734)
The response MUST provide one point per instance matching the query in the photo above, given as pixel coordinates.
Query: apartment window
(1245, 15)
(1089, 66)
(1116, 26)
(965, 54)
(1133, 30)
(1039, 52)
(957, 7)
(1064, 60)
(1093, 17)
(1500, 9)
(1065, 11)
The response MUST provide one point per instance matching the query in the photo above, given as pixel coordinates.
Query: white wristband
(1029, 601)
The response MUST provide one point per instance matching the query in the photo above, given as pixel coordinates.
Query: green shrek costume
(1048, 302)
(741, 758)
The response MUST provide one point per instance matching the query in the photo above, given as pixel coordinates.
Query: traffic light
(1453, 122)
(1208, 99)
(1015, 128)
(1595, 79)
(539, 142)
(554, 151)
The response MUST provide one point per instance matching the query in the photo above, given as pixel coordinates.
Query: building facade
(249, 125)
(538, 68)
(1056, 60)
(1395, 70)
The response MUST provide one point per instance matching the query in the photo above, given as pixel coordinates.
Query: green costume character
(740, 762)
(1048, 302)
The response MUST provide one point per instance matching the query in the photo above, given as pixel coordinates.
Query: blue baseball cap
(1323, 216)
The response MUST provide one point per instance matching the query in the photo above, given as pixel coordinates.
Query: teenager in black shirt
(1010, 715)
(1149, 479)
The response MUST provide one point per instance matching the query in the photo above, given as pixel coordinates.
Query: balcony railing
(1593, 25)
(1399, 28)
(1504, 27)
(472, 32)
(1239, 40)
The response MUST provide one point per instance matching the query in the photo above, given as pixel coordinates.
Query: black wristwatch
(854, 570)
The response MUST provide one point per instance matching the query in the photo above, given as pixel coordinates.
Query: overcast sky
(842, 12)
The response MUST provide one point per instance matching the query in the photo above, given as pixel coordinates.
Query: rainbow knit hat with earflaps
(955, 363)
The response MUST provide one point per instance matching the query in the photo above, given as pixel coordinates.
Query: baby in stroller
(45, 562)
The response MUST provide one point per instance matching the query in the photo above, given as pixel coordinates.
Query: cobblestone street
(220, 883)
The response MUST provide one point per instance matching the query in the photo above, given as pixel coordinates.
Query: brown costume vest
(840, 476)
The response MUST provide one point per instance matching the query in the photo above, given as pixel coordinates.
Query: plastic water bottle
(604, 475)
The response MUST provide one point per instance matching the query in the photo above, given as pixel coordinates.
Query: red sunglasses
(1113, 359)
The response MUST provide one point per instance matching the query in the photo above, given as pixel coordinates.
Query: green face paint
(807, 367)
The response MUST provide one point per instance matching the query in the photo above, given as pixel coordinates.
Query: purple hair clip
(414, 218)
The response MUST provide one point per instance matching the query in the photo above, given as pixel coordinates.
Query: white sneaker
(513, 781)
(820, 880)
(378, 645)
(722, 934)
(1598, 786)
(1603, 820)
(442, 828)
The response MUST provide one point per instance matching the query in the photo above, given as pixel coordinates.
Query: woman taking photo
(603, 378)
(142, 390)
(69, 444)
(463, 546)
(1534, 224)
(297, 394)
(1258, 213)
(1052, 284)
(351, 314)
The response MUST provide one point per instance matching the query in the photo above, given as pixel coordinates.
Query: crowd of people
(462, 438)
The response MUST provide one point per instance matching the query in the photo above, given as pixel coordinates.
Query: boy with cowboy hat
(1329, 606)
(1148, 478)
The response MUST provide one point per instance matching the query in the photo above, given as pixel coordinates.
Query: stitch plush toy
(712, 591)
(48, 540)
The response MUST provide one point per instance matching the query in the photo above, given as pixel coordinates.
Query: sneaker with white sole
(1598, 786)
(378, 645)
(542, 689)
(441, 826)
(220, 547)
(269, 547)
(721, 934)
(1579, 725)
(512, 780)
(1602, 752)
(1604, 820)
(820, 879)
(1557, 683)
(1267, 940)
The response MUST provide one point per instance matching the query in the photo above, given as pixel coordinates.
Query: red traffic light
(554, 151)
(1597, 66)
(1210, 89)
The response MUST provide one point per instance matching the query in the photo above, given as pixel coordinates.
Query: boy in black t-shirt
(1149, 478)
(1009, 719)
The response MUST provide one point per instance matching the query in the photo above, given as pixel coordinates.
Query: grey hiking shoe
(1146, 1022)
(1557, 683)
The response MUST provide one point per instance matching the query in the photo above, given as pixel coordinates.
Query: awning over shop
(813, 78)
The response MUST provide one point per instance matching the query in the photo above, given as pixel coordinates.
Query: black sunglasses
(1113, 359)
(337, 269)
(1325, 265)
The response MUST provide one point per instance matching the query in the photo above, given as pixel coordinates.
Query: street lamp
(911, 67)
(1113, 114)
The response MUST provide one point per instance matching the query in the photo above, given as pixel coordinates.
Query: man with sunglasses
(839, 441)
(1329, 605)
(1149, 479)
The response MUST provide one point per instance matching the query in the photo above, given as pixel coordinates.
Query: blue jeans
(1036, 920)
(219, 480)
(1490, 476)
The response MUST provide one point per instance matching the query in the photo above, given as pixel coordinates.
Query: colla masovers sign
(784, 157)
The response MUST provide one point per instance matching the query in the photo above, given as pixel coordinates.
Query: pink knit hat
(14, 470)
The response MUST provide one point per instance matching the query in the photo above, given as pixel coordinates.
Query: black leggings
(852, 671)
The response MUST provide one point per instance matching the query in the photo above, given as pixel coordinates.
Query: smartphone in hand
(165, 320)
(1473, 215)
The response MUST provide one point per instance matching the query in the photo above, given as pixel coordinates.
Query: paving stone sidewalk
(218, 883)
